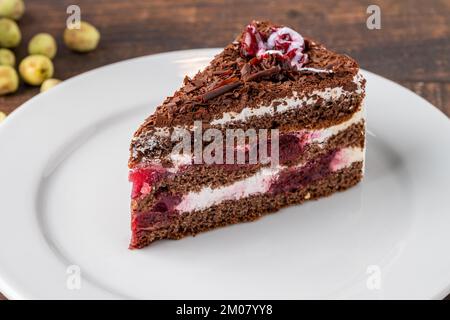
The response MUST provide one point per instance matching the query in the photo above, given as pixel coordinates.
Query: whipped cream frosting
(258, 183)
(322, 135)
(345, 157)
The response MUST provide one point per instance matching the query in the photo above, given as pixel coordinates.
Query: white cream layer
(258, 183)
(322, 135)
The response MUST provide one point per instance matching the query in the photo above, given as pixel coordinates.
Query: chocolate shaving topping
(176, 100)
(214, 84)
(198, 82)
(264, 73)
(224, 82)
(222, 72)
(220, 90)
(245, 70)
(170, 110)
(188, 88)
(229, 64)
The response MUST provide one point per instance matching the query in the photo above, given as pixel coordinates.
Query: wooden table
(412, 47)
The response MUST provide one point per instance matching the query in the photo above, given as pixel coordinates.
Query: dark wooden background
(412, 47)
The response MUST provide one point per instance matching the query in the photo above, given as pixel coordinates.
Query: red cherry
(291, 54)
(249, 44)
(284, 44)
(286, 37)
(143, 178)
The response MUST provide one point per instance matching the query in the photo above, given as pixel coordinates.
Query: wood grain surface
(411, 48)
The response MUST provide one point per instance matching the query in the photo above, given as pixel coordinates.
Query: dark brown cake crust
(246, 209)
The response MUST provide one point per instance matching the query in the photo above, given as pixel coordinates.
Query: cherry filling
(143, 178)
(294, 178)
(161, 211)
(291, 147)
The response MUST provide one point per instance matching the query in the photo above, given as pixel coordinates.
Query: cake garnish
(221, 88)
(261, 74)
(282, 42)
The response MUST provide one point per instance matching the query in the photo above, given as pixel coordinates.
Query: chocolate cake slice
(196, 164)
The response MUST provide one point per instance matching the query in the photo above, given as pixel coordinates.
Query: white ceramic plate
(64, 204)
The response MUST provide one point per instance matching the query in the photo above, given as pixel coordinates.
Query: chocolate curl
(220, 90)
(264, 73)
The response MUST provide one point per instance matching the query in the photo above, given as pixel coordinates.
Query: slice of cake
(274, 120)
